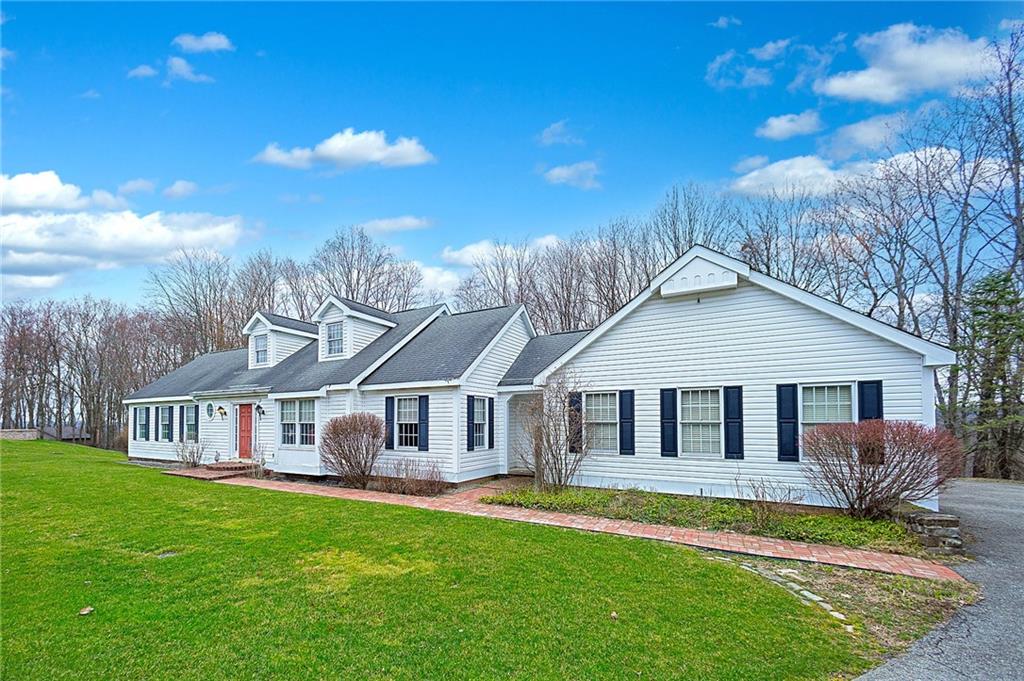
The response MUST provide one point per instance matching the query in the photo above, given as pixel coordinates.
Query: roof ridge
(284, 316)
(487, 309)
(560, 333)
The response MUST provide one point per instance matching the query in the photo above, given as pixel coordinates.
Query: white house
(699, 385)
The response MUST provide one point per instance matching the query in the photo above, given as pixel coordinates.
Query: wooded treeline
(930, 240)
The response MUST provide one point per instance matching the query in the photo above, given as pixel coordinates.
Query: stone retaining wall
(938, 532)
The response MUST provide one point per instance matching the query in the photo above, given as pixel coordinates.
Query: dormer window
(335, 339)
(259, 344)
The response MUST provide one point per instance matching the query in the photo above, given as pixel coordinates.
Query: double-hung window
(479, 423)
(826, 404)
(408, 421)
(601, 421)
(191, 427)
(165, 423)
(335, 339)
(259, 344)
(298, 422)
(142, 425)
(700, 421)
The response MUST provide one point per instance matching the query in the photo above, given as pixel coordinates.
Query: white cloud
(770, 50)
(46, 191)
(299, 198)
(40, 249)
(90, 94)
(139, 185)
(582, 175)
(402, 223)
(725, 22)
(1010, 24)
(748, 163)
(208, 42)
(811, 174)
(142, 71)
(179, 69)
(350, 149)
(438, 278)
(5, 55)
(790, 125)
(180, 189)
(728, 70)
(470, 254)
(871, 134)
(558, 133)
(906, 60)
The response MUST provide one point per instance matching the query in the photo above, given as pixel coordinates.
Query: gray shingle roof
(299, 371)
(445, 349)
(289, 323)
(538, 353)
(368, 309)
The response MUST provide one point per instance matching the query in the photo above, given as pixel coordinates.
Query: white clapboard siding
(440, 437)
(362, 333)
(749, 337)
(482, 381)
(284, 344)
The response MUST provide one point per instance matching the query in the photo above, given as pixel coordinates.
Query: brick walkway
(467, 502)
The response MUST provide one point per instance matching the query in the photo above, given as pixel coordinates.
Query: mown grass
(820, 527)
(192, 579)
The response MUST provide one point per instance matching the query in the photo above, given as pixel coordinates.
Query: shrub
(350, 445)
(414, 477)
(190, 454)
(870, 467)
(120, 442)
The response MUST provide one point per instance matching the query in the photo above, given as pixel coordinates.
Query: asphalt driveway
(986, 640)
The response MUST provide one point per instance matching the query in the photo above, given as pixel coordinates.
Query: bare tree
(554, 424)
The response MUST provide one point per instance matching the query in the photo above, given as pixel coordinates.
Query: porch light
(259, 410)
(222, 411)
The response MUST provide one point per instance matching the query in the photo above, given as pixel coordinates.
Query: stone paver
(467, 502)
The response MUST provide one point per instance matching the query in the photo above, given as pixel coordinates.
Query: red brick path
(467, 502)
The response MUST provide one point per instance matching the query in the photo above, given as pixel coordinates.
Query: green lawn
(796, 523)
(260, 584)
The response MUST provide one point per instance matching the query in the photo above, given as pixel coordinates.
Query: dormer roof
(353, 309)
(278, 322)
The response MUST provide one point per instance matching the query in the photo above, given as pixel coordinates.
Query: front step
(215, 471)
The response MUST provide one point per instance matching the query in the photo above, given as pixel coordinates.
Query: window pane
(307, 411)
(307, 433)
(335, 345)
(408, 410)
(701, 438)
(479, 410)
(287, 433)
(261, 342)
(287, 411)
(602, 436)
(827, 404)
(408, 434)
(601, 407)
(479, 435)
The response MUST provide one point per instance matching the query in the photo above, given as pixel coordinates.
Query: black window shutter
(181, 423)
(197, 422)
(389, 422)
(576, 422)
(149, 421)
(734, 422)
(490, 423)
(469, 423)
(869, 399)
(170, 423)
(786, 413)
(135, 423)
(669, 439)
(424, 442)
(156, 431)
(626, 423)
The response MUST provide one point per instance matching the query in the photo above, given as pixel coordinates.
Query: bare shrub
(869, 468)
(767, 499)
(120, 442)
(190, 454)
(350, 445)
(258, 469)
(553, 422)
(414, 477)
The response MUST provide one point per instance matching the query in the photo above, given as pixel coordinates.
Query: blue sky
(130, 130)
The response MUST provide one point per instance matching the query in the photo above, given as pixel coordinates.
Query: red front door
(245, 431)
